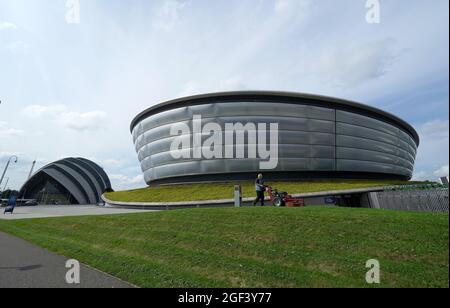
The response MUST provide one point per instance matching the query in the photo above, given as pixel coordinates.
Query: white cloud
(284, 6)
(432, 158)
(234, 83)
(6, 25)
(7, 132)
(190, 88)
(281, 5)
(168, 15)
(421, 176)
(7, 155)
(111, 163)
(434, 138)
(436, 127)
(124, 181)
(76, 121)
(441, 172)
(18, 47)
(354, 65)
(38, 111)
(432, 176)
(88, 121)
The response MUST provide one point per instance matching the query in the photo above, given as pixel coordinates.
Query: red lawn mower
(284, 199)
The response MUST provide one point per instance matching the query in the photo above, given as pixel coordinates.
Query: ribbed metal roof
(85, 180)
(281, 97)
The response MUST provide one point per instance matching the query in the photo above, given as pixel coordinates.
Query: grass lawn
(213, 191)
(253, 247)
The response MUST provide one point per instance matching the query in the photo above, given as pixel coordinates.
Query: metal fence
(429, 200)
(417, 187)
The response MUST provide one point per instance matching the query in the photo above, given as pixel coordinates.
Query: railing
(430, 186)
(431, 199)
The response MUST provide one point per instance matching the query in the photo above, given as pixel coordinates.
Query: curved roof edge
(336, 102)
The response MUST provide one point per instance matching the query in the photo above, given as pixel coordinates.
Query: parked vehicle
(31, 203)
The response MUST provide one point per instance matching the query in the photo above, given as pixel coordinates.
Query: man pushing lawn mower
(260, 189)
(277, 198)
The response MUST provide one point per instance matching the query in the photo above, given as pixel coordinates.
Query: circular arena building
(235, 135)
(66, 182)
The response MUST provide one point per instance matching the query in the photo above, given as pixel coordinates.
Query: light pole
(15, 158)
(31, 170)
(4, 188)
(6, 184)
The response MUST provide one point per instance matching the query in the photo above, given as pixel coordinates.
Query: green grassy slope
(213, 191)
(253, 247)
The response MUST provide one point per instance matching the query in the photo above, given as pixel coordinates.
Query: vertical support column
(373, 200)
(237, 196)
(335, 142)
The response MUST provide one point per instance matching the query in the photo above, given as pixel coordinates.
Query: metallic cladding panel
(68, 183)
(80, 179)
(92, 171)
(287, 151)
(289, 124)
(278, 97)
(232, 110)
(366, 133)
(286, 139)
(99, 171)
(97, 189)
(363, 121)
(311, 139)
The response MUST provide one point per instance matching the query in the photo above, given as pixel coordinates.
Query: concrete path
(62, 211)
(23, 265)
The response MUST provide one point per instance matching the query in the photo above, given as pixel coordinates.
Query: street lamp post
(6, 184)
(15, 158)
(4, 188)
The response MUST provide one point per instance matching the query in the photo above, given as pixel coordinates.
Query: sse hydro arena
(318, 138)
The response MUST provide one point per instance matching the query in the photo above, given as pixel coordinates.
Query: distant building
(67, 181)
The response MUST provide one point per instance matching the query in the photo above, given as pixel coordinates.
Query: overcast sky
(72, 89)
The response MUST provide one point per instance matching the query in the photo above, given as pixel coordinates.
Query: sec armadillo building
(318, 137)
(66, 182)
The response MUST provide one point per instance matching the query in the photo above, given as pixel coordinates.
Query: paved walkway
(23, 265)
(62, 211)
